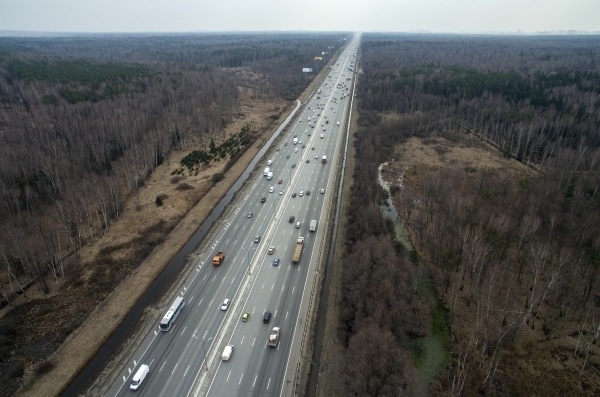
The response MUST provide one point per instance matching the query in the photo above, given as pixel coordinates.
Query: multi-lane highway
(248, 276)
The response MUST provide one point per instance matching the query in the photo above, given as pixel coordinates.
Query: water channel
(429, 352)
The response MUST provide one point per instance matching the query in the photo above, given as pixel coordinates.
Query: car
(316, 157)
(279, 182)
(271, 189)
(276, 262)
(285, 144)
(322, 190)
(257, 238)
(294, 194)
(296, 150)
(298, 224)
(249, 215)
(303, 146)
(291, 220)
(271, 250)
(294, 165)
(263, 199)
(307, 160)
(278, 149)
(312, 126)
(308, 193)
(280, 192)
(245, 317)
(295, 136)
(267, 317)
(287, 157)
(225, 304)
(309, 134)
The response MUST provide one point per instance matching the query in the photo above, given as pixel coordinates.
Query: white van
(295, 141)
(270, 176)
(266, 171)
(139, 377)
(269, 162)
(227, 352)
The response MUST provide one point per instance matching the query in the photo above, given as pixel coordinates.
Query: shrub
(217, 177)
(175, 179)
(183, 186)
(44, 367)
(158, 201)
(16, 370)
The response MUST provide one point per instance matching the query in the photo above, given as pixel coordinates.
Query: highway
(247, 275)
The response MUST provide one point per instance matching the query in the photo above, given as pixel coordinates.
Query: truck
(313, 225)
(219, 258)
(295, 141)
(324, 159)
(270, 176)
(274, 337)
(266, 171)
(298, 250)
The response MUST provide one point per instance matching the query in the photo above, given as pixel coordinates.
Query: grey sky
(310, 15)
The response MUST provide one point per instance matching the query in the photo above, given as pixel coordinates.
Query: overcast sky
(476, 16)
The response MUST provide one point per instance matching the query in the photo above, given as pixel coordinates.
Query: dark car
(262, 200)
(291, 220)
(307, 160)
(287, 157)
(276, 262)
(267, 317)
(294, 194)
(307, 193)
(293, 165)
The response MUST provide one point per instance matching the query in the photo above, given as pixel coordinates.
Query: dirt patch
(182, 211)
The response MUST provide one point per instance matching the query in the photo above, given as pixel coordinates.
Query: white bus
(167, 322)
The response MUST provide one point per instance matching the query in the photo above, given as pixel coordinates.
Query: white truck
(270, 176)
(266, 171)
(295, 141)
(313, 225)
(227, 352)
(274, 337)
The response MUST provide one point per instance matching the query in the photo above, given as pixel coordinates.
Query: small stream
(429, 352)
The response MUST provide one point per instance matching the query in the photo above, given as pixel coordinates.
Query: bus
(167, 322)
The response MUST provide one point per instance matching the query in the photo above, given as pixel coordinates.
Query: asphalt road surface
(247, 276)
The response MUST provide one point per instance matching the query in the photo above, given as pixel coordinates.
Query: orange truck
(219, 258)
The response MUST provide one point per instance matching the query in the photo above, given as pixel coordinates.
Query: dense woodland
(514, 258)
(83, 122)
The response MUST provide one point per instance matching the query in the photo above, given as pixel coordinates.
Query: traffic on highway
(236, 325)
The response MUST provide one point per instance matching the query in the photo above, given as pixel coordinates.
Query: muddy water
(429, 352)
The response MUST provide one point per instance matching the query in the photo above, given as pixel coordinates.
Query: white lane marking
(253, 342)
(286, 314)
(161, 367)
(174, 369)
(214, 278)
(211, 301)
(242, 341)
(254, 381)
(184, 328)
(191, 299)
(185, 373)
(253, 310)
(205, 276)
(282, 288)
(227, 380)
(232, 280)
(240, 382)
(275, 315)
(293, 289)
(263, 286)
(272, 287)
(204, 337)
(268, 383)
(200, 301)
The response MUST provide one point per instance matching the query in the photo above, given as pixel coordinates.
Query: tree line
(515, 258)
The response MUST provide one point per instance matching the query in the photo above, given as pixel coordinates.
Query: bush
(274, 116)
(217, 177)
(44, 367)
(158, 201)
(183, 186)
(176, 179)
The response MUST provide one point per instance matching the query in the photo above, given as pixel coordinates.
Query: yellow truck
(219, 258)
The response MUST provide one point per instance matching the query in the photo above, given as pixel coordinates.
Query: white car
(271, 250)
(301, 193)
(271, 189)
(280, 192)
(322, 190)
(225, 304)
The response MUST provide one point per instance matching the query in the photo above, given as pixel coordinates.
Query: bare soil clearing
(169, 226)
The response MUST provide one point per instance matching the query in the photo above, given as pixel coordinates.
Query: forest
(84, 121)
(513, 256)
